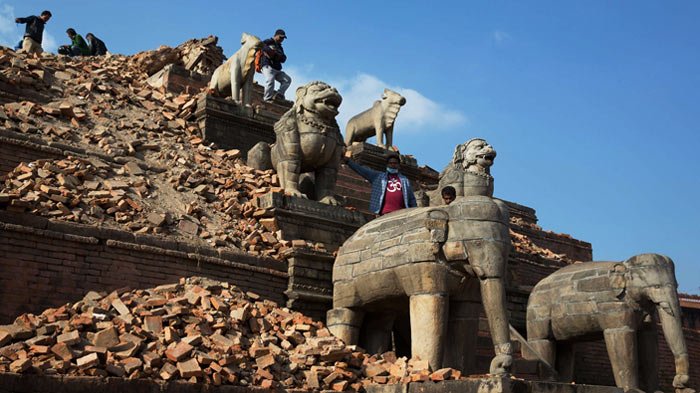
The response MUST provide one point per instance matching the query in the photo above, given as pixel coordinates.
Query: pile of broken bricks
(197, 330)
(91, 191)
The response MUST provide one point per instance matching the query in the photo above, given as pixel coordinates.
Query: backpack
(258, 60)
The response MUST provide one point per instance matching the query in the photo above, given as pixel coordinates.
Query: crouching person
(77, 47)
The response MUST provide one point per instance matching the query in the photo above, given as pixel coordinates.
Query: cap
(281, 32)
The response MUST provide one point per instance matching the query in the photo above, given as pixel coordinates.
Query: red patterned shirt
(393, 197)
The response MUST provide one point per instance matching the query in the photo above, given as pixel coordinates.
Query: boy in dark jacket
(272, 59)
(97, 46)
(34, 31)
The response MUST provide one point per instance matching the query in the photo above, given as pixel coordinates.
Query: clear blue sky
(592, 106)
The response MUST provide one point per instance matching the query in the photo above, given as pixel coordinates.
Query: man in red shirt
(391, 190)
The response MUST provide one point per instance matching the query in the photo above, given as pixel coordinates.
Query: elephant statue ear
(618, 279)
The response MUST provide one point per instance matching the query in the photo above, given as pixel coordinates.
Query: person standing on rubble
(34, 31)
(97, 46)
(272, 58)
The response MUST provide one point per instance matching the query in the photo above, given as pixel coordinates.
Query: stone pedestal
(310, 287)
(231, 126)
(491, 385)
(300, 218)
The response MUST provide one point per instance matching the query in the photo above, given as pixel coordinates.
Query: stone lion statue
(377, 120)
(235, 76)
(474, 157)
(308, 139)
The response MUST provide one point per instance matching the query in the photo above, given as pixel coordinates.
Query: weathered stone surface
(308, 140)
(401, 256)
(610, 298)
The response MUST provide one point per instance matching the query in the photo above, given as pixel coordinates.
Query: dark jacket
(34, 29)
(273, 54)
(379, 181)
(79, 45)
(97, 46)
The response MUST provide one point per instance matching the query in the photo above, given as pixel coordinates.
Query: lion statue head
(476, 155)
(318, 99)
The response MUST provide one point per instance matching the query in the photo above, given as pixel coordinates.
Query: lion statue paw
(331, 200)
(296, 193)
(501, 364)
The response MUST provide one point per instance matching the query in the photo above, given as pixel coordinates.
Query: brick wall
(28, 383)
(13, 151)
(45, 264)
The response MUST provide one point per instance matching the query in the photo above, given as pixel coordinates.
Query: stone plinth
(310, 289)
(299, 218)
(231, 126)
(490, 385)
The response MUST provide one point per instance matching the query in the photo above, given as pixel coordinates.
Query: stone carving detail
(619, 301)
(308, 139)
(235, 76)
(377, 120)
(431, 258)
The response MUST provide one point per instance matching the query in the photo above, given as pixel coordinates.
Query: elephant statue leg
(345, 323)
(494, 295)
(488, 260)
(622, 350)
(428, 313)
(377, 331)
(648, 352)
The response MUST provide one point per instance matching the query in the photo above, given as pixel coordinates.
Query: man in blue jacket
(34, 31)
(391, 190)
(272, 59)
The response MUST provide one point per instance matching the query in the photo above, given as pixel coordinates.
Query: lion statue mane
(308, 139)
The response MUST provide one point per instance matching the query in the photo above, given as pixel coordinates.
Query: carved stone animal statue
(618, 301)
(377, 120)
(235, 76)
(308, 139)
(474, 157)
(427, 260)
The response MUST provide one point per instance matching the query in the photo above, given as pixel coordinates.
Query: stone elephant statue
(430, 258)
(617, 300)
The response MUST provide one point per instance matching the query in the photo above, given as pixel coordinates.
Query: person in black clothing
(97, 46)
(34, 31)
(272, 59)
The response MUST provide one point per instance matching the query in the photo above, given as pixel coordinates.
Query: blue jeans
(271, 75)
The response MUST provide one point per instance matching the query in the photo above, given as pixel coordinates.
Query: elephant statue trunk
(669, 312)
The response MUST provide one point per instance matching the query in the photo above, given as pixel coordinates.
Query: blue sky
(592, 106)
